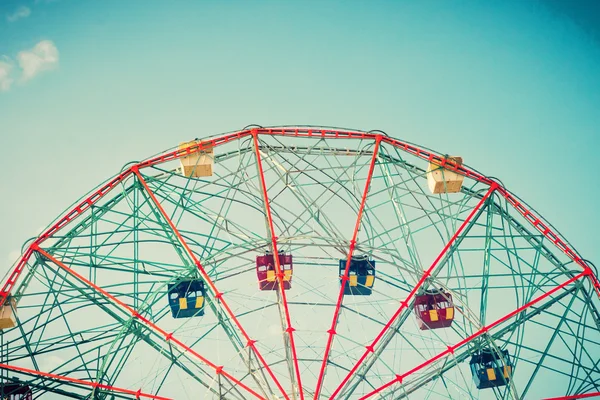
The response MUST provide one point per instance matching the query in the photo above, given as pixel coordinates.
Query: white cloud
(21, 12)
(5, 78)
(43, 56)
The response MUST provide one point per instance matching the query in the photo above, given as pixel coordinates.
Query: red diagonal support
(71, 215)
(168, 337)
(546, 230)
(576, 396)
(279, 272)
(217, 295)
(331, 332)
(85, 204)
(485, 329)
(404, 304)
(95, 385)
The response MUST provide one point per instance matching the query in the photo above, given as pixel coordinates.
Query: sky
(86, 87)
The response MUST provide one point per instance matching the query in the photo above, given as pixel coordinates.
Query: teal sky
(513, 87)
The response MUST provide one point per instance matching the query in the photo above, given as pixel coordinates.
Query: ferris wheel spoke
(331, 332)
(168, 338)
(101, 335)
(457, 357)
(484, 330)
(286, 322)
(94, 385)
(404, 304)
(215, 292)
(578, 396)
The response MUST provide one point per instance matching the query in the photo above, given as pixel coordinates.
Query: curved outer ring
(311, 132)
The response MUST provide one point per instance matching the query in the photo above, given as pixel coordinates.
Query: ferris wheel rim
(305, 131)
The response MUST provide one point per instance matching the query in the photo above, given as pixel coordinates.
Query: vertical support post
(135, 248)
(486, 263)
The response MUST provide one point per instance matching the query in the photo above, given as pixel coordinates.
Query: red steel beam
(290, 329)
(545, 229)
(426, 274)
(485, 329)
(576, 396)
(217, 295)
(168, 337)
(331, 332)
(95, 385)
(71, 215)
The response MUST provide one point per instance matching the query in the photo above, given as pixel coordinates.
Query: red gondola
(14, 391)
(434, 309)
(265, 270)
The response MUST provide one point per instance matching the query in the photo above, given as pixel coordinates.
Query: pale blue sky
(513, 87)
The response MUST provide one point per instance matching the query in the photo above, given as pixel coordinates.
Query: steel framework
(93, 321)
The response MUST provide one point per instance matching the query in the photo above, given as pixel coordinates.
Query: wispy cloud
(21, 12)
(42, 57)
(5, 76)
(29, 63)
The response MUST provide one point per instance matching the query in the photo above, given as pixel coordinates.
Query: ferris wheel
(300, 263)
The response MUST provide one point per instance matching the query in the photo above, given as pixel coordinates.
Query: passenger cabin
(434, 309)
(8, 317)
(361, 276)
(15, 391)
(186, 298)
(491, 368)
(197, 164)
(443, 179)
(267, 274)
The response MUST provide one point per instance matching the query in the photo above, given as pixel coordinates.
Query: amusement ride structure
(300, 263)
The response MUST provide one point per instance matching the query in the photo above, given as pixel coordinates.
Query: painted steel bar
(404, 304)
(95, 385)
(217, 295)
(576, 396)
(194, 148)
(168, 337)
(331, 332)
(280, 275)
(484, 329)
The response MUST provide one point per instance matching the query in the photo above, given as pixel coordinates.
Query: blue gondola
(186, 298)
(491, 368)
(361, 275)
